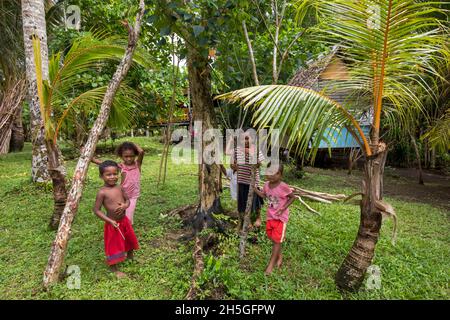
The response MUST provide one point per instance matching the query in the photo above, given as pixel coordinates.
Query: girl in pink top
(132, 156)
(280, 197)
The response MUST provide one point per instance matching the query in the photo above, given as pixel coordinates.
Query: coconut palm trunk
(33, 20)
(57, 174)
(352, 271)
(55, 166)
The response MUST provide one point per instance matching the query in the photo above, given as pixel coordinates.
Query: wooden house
(323, 75)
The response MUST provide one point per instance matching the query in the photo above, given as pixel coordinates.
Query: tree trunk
(419, 165)
(58, 176)
(17, 134)
(203, 110)
(250, 53)
(11, 135)
(351, 273)
(33, 20)
(59, 246)
(433, 158)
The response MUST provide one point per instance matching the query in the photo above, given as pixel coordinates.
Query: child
(280, 197)
(231, 174)
(131, 173)
(119, 237)
(243, 165)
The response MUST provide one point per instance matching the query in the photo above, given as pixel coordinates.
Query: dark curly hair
(105, 164)
(127, 146)
(279, 164)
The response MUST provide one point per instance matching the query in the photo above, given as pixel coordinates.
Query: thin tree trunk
(33, 20)
(419, 165)
(433, 158)
(278, 23)
(58, 176)
(59, 246)
(164, 158)
(275, 45)
(250, 53)
(203, 111)
(17, 134)
(351, 273)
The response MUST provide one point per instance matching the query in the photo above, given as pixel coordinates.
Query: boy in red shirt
(280, 197)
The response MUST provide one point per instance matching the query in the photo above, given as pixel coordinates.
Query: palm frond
(389, 44)
(303, 116)
(87, 53)
(392, 50)
(439, 134)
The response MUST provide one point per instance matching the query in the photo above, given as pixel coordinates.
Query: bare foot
(120, 274)
(268, 270)
(280, 262)
(130, 255)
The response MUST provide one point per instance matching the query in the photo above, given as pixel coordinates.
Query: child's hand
(114, 223)
(280, 211)
(120, 208)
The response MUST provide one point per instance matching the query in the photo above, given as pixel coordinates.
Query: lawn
(417, 267)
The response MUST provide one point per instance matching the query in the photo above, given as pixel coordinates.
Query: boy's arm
(98, 212)
(96, 161)
(140, 156)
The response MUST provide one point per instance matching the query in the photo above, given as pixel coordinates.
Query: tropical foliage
(59, 106)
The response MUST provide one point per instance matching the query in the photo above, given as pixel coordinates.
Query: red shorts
(116, 247)
(276, 230)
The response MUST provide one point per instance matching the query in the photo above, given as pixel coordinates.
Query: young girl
(132, 156)
(280, 197)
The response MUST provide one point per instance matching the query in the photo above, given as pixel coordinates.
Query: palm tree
(12, 77)
(33, 21)
(63, 94)
(386, 53)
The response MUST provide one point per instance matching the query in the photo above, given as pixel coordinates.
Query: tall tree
(33, 21)
(59, 246)
(12, 76)
(389, 44)
(196, 24)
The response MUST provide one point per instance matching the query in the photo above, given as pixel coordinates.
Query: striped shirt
(244, 163)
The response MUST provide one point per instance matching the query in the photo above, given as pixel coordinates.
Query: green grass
(417, 267)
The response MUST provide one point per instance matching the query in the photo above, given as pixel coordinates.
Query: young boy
(280, 197)
(120, 240)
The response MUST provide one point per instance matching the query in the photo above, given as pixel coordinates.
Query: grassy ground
(417, 267)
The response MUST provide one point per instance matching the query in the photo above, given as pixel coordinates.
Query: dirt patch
(400, 183)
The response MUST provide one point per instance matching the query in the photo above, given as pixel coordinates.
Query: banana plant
(59, 105)
(389, 45)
